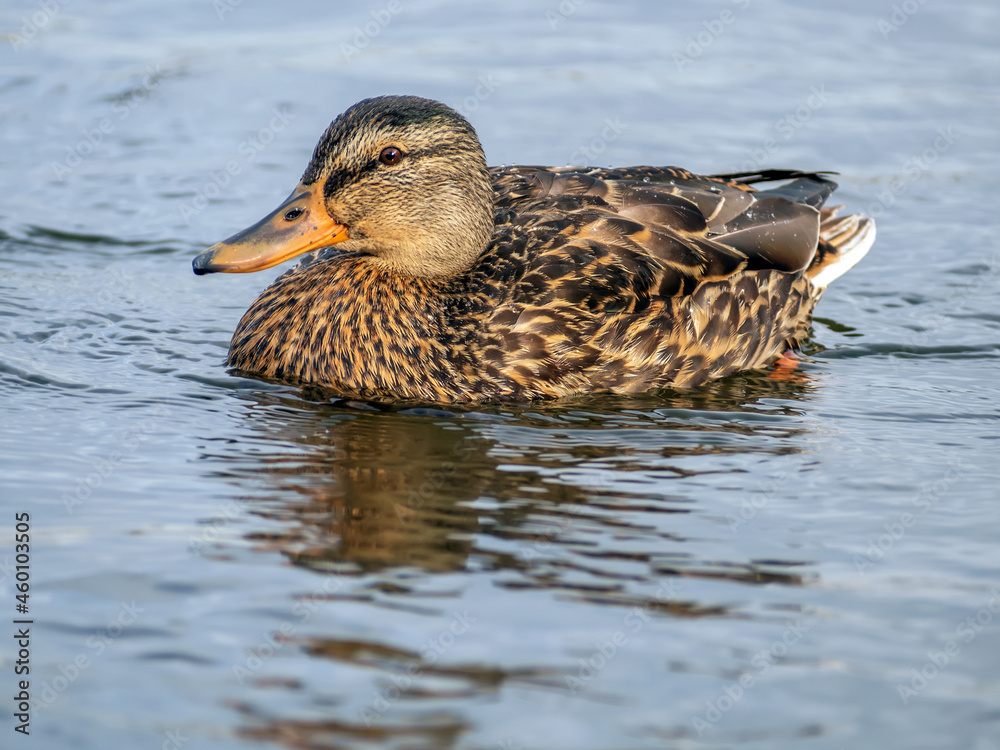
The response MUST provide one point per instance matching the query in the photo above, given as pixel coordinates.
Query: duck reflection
(573, 498)
(374, 488)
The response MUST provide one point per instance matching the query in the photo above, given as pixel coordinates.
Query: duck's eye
(292, 214)
(390, 156)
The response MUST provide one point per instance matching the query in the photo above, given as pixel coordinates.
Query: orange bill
(298, 225)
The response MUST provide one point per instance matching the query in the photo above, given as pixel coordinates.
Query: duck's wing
(616, 239)
(640, 277)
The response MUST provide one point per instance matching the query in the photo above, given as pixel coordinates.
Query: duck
(428, 276)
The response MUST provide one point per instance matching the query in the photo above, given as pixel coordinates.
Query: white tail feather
(853, 236)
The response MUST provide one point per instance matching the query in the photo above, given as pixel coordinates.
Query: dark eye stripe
(342, 177)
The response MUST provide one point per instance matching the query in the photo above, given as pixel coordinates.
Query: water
(761, 563)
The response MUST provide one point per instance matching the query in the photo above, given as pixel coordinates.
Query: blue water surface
(807, 561)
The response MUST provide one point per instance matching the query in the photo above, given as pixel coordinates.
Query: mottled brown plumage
(453, 283)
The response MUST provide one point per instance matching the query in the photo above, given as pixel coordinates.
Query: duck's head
(398, 178)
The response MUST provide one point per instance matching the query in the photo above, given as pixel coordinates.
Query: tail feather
(811, 190)
(843, 241)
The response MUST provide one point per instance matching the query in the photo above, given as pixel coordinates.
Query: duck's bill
(298, 225)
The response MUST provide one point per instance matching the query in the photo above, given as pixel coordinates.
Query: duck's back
(644, 277)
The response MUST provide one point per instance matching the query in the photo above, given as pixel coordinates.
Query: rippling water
(799, 561)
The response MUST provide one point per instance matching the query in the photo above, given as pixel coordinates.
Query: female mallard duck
(450, 281)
